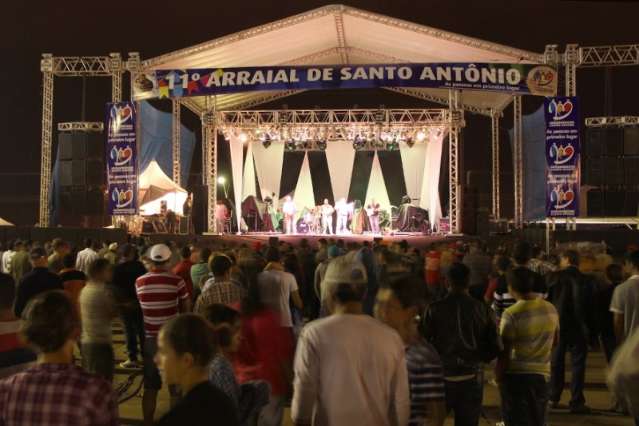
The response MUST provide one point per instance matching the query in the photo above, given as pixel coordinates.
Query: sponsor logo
(121, 156)
(122, 198)
(561, 154)
(560, 110)
(562, 198)
(542, 80)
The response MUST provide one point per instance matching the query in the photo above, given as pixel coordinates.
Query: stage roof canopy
(338, 34)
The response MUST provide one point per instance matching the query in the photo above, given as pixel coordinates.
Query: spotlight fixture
(420, 136)
(243, 137)
(289, 145)
(266, 140)
(321, 144)
(358, 143)
(393, 145)
(410, 142)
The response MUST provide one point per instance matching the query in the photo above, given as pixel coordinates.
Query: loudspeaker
(65, 173)
(631, 140)
(95, 173)
(614, 171)
(95, 146)
(614, 141)
(631, 204)
(79, 172)
(65, 146)
(631, 170)
(593, 172)
(595, 203)
(594, 143)
(95, 202)
(614, 203)
(79, 143)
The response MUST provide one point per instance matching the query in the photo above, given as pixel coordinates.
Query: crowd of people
(348, 333)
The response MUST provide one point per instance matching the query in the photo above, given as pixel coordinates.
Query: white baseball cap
(160, 253)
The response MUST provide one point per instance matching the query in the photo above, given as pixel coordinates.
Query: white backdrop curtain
(248, 181)
(236, 147)
(413, 160)
(268, 166)
(304, 196)
(429, 197)
(340, 157)
(376, 186)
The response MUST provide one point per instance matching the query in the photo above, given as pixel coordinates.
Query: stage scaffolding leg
(116, 77)
(518, 163)
(46, 66)
(495, 164)
(211, 164)
(176, 142)
(453, 166)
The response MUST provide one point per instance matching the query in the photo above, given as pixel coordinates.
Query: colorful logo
(121, 156)
(562, 198)
(560, 110)
(122, 198)
(561, 154)
(119, 116)
(542, 80)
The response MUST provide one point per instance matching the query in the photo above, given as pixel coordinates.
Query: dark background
(30, 28)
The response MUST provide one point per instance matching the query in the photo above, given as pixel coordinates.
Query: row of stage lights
(305, 139)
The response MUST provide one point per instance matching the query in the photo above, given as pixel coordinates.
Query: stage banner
(122, 162)
(527, 79)
(563, 151)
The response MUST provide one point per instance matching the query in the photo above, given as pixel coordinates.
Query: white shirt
(624, 301)
(350, 370)
(84, 259)
(289, 208)
(275, 290)
(6, 261)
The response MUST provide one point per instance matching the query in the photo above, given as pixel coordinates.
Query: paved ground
(597, 397)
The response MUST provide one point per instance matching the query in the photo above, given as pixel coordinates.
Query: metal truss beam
(622, 121)
(46, 66)
(117, 67)
(454, 193)
(606, 56)
(82, 66)
(175, 141)
(496, 175)
(210, 126)
(518, 171)
(341, 38)
(81, 126)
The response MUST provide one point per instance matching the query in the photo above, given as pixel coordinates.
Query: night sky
(30, 28)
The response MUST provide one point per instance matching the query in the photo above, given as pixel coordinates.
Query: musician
(221, 217)
(373, 215)
(289, 210)
(343, 210)
(187, 211)
(327, 217)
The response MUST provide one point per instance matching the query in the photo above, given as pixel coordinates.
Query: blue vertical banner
(122, 164)
(563, 151)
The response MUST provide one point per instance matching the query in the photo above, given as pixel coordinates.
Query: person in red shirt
(162, 297)
(502, 264)
(183, 269)
(265, 353)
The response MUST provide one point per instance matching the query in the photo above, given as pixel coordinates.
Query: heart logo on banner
(124, 156)
(125, 113)
(569, 151)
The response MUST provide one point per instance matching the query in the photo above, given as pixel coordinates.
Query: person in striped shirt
(529, 331)
(398, 306)
(162, 296)
(14, 355)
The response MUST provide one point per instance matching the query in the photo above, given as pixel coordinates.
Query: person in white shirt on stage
(343, 209)
(327, 217)
(221, 216)
(373, 215)
(289, 210)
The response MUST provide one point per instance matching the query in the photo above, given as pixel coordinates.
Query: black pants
(609, 344)
(134, 330)
(464, 399)
(579, 351)
(97, 358)
(524, 399)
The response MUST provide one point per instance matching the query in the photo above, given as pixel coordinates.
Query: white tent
(5, 222)
(155, 187)
(338, 34)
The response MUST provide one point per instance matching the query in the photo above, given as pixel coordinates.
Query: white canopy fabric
(5, 222)
(304, 196)
(377, 187)
(338, 34)
(154, 179)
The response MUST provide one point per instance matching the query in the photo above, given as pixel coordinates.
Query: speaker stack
(611, 164)
(81, 176)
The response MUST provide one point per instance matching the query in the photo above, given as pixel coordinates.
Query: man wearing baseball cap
(39, 280)
(162, 295)
(350, 369)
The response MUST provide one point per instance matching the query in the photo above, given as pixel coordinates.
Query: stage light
(321, 144)
(420, 136)
(243, 137)
(410, 142)
(266, 140)
(289, 145)
(393, 145)
(221, 180)
(358, 143)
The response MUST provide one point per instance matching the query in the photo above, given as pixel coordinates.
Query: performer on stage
(221, 216)
(289, 211)
(327, 217)
(373, 215)
(343, 210)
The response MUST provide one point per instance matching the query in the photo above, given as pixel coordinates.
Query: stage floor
(418, 240)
